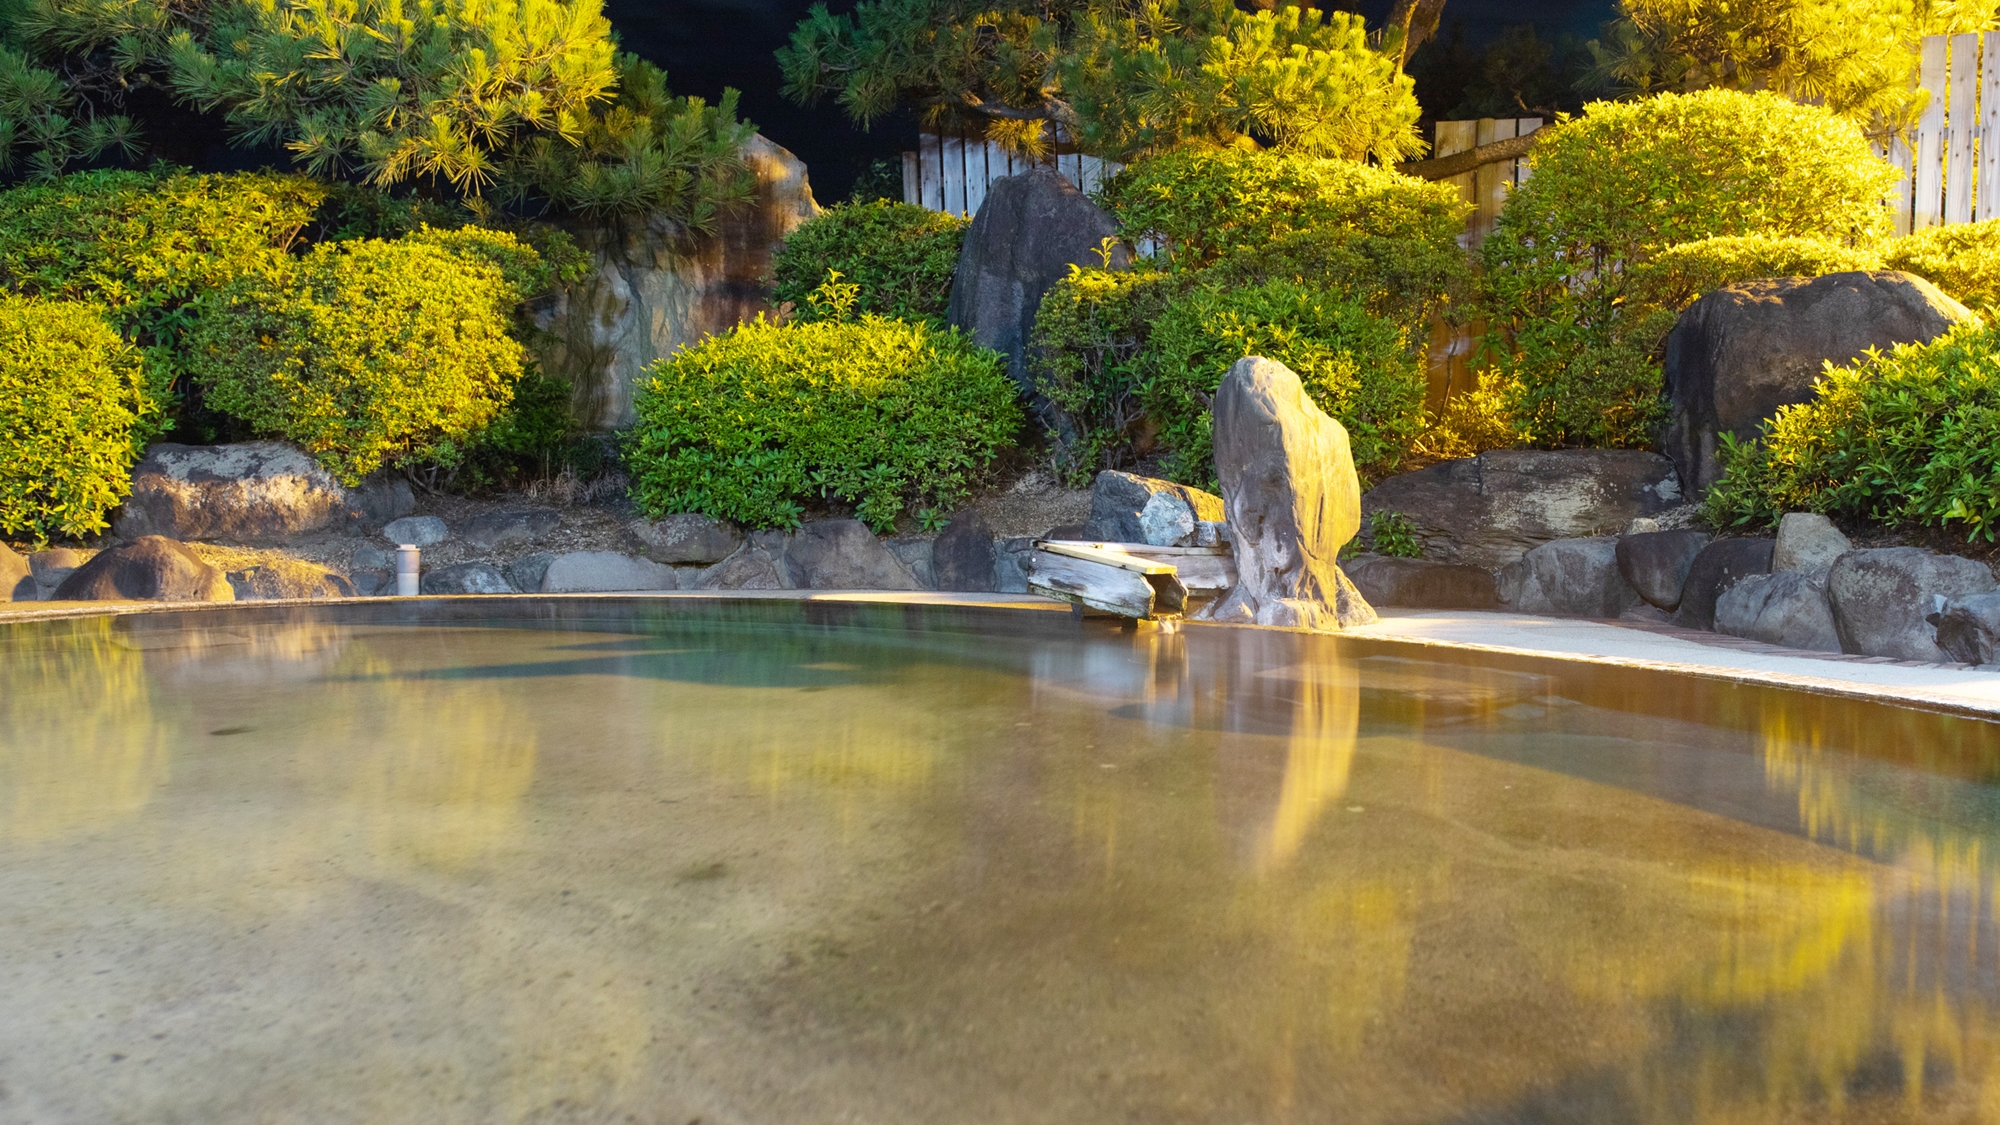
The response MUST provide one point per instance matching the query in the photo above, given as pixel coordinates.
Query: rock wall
(654, 290)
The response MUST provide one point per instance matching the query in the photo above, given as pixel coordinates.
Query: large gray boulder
(1807, 541)
(465, 578)
(17, 578)
(843, 555)
(962, 557)
(1030, 230)
(1656, 563)
(254, 492)
(1720, 565)
(1743, 351)
(1119, 503)
(1292, 500)
(1969, 628)
(688, 539)
(594, 572)
(1421, 583)
(1787, 607)
(1882, 597)
(1570, 578)
(1491, 509)
(150, 568)
(1010, 563)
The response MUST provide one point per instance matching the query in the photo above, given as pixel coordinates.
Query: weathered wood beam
(1445, 167)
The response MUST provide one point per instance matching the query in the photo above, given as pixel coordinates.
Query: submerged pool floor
(767, 864)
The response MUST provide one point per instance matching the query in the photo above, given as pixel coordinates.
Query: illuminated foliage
(1115, 77)
(72, 394)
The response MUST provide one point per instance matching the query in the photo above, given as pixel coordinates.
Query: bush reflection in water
(1476, 886)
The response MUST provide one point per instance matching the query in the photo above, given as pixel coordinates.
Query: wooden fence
(1951, 160)
(952, 173)
(1486, 187)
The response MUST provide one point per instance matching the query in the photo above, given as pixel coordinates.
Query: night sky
(706, 45)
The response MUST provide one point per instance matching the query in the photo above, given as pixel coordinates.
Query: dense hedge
(1357, 366)
(878, 413)
(72, 393)
(1912, 436)
(1623, 182)
(902, 258)
(1962, 260)
(146, 244)
(1203, 203)
(369, 352)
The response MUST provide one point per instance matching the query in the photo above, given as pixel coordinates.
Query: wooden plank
(1490, 181)
(1524, 126)
(1451, 138)
(1962, 120)
(930, 167)
(979, 160)
(1206, 574)
(912, 194)
(1927, 196)
(1104, 554)
(1094, 584)
(1898, 154)
(951, 173)
(1986, 188)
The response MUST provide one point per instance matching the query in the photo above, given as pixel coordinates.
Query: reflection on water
(745, 868)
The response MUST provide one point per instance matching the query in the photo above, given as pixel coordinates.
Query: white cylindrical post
(406, 571)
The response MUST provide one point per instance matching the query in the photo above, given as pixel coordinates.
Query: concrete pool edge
(1956, 690)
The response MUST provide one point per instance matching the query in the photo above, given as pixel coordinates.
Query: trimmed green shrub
(1623, 182)
(1911, 436)
(1407, 280)
(72, 393)
(882, 414)
(902, 257)
(1677, 276)
(1357, 366)
(1203, 203)
(1090, 332)
(146, 244)
(1962, 260)
(368, 352)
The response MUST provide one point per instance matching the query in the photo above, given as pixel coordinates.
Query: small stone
(1719, 565)
(1656, 563)
(1210, 533)
(55, 558)
(371, 558)
(1969, 628)
(1010, 564)
(285, 578)
(517, 525)
(1167, 521)
(1568, 577)
(1421, 583)
(843, 555)
(1882, 598)
(416, 531)
(370, 583)
(962, 557)
(1788, 608)
(150, 568)
(915, 555)
(465, 578)
(1807, 541)
(604, 572)
(17, 577)
(527, 572)
(1117, 501)
(750, 568)
(688, 539)
(1643, 525)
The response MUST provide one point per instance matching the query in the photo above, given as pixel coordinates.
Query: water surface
(602, 861)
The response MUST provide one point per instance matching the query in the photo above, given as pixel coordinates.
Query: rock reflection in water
(688, 868)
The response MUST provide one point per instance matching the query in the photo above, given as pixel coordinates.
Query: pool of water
(676, 861)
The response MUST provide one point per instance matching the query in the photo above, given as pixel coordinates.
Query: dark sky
(708, 44)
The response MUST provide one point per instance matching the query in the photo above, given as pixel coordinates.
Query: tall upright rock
(1291, 499)
(1032, 228)
(655, 287)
